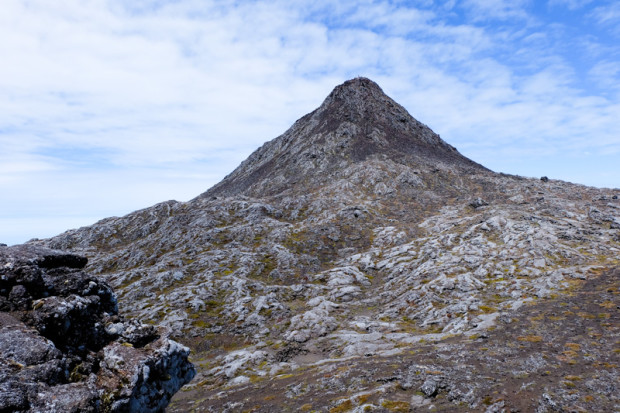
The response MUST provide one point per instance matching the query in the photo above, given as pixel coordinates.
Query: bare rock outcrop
(66, 349)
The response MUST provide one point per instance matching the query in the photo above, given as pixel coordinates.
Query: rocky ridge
(66, 349)
(350, 244)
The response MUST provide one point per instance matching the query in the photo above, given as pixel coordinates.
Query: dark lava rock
(65, 348)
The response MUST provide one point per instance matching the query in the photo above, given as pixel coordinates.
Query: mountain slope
(359, 233)
(355, 123)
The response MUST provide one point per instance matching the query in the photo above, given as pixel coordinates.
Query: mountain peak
(359, 82)
(359, 88)
(358, 99)
(357, 122)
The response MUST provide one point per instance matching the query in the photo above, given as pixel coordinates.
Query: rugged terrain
(66, 349)
(360, 263)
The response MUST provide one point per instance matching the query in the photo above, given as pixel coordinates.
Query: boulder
(66, 348)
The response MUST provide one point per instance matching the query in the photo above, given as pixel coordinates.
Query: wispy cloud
(570, 4)
(607, 75)
(496, 9)
(108, 106)
(607, 14)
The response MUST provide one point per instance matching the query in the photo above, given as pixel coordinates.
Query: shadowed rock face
(65, 348)
(360, 263)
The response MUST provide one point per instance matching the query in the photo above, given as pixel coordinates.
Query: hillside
(360, 263)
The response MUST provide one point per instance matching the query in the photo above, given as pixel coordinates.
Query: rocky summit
(360, 263)
(357, 122)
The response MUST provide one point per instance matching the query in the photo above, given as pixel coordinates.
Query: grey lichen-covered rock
(66, 349)
(143, 379)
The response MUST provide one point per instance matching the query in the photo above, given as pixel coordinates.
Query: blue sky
(108, 106)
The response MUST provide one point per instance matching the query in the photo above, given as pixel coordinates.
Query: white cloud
(607, 14)
(570, 4)
(607, 19)
(112, 105)
(497, 9)
(391, 19)
(607, 75)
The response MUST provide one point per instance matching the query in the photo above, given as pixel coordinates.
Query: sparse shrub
(342, 407)
(530, 338)
(396, 406)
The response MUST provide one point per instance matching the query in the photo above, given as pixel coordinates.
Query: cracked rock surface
(66, 349)
(360, 263)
